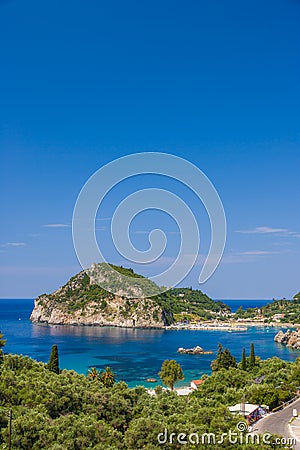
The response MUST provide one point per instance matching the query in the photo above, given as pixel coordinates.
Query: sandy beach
(230, 326)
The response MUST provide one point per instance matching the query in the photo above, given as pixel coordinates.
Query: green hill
(289, 310)
(83, 301)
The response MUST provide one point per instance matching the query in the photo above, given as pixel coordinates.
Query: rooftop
(245, 408)
(197, 382)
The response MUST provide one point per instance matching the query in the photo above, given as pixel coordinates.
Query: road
(277, 423)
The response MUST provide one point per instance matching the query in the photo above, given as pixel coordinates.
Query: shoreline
(230, 326)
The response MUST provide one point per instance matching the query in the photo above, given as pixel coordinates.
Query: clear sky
(85, 82)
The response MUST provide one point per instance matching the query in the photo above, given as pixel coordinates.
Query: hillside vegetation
(68, 411)
(190, 303)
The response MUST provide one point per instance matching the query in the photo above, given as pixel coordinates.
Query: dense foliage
(122, 279)
(190, 304)
(68, 411)
(224, 359)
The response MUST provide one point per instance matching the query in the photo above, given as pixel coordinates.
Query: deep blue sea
(134, 354)
(235, 304)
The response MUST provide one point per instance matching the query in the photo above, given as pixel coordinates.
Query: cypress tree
(244, 362)
(228, 360)
(216, 363)
(252, 356)
(53, 363)
(224, 359)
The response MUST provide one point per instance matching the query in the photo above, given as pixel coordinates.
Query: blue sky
(217, 83)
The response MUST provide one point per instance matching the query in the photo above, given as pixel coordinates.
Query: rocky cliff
(81, 301)
(290, 338)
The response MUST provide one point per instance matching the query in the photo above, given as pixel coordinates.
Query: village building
(195, 383)
(251, 412)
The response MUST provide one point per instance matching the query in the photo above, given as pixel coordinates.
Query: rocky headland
(84, 300)
(81, 301)
(291, 338)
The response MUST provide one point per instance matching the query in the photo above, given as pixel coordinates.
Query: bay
(134, 354)
(235, 304)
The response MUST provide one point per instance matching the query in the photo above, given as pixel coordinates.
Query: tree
(107, 377)
(158, 389)
(244, 361)
(53, 363)
(228, 359)
(224, 359)
(252, 356)
(239, 312)
(93, 373)
(170, 373)
(215, 364)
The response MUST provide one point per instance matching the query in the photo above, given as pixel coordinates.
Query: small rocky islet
(194, 351)
(290, 338)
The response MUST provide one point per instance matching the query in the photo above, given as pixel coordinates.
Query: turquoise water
(134, 354)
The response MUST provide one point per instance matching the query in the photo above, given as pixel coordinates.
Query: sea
(133, 354)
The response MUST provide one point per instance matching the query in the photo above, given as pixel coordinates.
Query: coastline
(240, 325)
(135, 354)
(229, 326)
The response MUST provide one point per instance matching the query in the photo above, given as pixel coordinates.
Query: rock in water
(289, 338)
(194, 351)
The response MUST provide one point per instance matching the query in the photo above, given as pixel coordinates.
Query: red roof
(197, 382)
